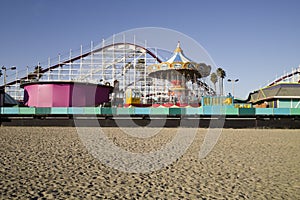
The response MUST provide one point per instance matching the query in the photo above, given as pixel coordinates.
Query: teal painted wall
(288, 103)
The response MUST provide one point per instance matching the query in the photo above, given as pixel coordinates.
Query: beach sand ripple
(53, 163)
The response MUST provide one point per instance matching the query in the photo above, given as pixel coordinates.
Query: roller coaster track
(78, 58)
(285, 77)
(208, 89)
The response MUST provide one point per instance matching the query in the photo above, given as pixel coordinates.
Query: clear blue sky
(252, 40)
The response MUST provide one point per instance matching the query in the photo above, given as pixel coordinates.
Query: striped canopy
(178, 56)
(178, 62)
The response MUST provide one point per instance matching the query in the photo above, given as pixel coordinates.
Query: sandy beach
(54, 163)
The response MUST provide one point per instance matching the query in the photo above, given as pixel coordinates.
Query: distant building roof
(9, 101)
(278, 91)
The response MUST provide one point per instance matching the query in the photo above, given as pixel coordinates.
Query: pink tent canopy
(65, 94)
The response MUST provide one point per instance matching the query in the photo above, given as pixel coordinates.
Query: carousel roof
(178, 62)
(178, 56)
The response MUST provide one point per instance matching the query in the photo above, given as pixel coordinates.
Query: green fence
(173, 111)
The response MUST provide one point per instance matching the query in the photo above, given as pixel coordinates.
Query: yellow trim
(174, 63)
(262, 93)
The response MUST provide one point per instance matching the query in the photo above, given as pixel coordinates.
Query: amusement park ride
(133, 72)
(123, 75)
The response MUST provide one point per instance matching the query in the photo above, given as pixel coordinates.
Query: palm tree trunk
(220, 87)
(215, 87)
(222, 92)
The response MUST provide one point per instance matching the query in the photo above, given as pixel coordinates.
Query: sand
(53, 163)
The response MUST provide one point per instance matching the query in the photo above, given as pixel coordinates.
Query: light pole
(5, 69)
(2, 95)
(233, 81)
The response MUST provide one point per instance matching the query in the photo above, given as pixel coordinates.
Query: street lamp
(5, 69)
(2, 91)
(233, 81)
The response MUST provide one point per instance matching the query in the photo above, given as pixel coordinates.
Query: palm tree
(203, 69)
(214, 80)
(221, 75)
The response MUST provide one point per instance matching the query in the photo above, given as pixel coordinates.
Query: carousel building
(177, 79)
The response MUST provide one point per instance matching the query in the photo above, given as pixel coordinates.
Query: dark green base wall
(169, 122)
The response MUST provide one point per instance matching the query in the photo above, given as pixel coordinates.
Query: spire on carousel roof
(178, 55)
(178, 49)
